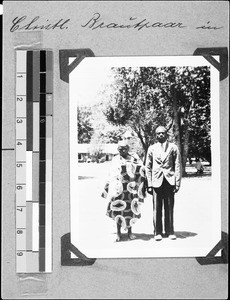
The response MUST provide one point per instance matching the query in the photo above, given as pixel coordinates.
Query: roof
(106, 148)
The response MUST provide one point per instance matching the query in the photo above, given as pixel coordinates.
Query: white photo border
(149, 61)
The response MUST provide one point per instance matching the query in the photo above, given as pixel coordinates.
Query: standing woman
(125, 190)
(128, 137)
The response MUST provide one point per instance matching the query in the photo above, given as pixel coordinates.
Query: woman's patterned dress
(125, 191)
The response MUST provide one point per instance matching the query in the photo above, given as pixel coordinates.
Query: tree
(135, 104)
(175, 97)
(85, 129)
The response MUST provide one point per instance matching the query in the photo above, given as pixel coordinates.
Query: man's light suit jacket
(160, 164)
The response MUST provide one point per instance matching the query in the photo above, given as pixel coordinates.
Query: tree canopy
(84, 125)
(175, 97)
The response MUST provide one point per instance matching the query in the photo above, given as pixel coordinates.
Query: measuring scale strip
(33, 204)
(21, 161)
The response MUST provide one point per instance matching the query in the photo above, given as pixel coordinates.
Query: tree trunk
(176, 120)
(146, 151)
(145, 144)
(185, 151)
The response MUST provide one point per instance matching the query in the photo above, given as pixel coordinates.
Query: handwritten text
(96, 22)
(21, 23)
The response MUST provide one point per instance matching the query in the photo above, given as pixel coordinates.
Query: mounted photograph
(144, 151)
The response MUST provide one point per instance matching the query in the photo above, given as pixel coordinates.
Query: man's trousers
(163, 195)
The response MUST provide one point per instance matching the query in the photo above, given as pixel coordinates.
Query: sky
(89, 79)
(94, 73)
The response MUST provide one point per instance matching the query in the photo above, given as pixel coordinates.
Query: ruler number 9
(19, 231)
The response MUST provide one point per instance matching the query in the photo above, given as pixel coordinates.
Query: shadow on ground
(191, 171)
(85, 177)
(147, 237)
(184, 234)
(192, 174)
(139, 236)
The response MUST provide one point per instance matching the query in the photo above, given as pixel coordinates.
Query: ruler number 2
(19, 99)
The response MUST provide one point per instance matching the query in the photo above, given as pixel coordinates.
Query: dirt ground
(196, 219)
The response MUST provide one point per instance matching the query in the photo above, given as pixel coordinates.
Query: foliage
(176, 97)
(85, 129)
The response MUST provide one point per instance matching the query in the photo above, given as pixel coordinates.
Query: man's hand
(176, 189)
(150, 190)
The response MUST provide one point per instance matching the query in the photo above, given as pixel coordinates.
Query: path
(196, 220)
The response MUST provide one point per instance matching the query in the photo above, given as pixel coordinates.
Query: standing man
(163, 168)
